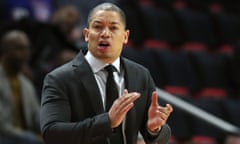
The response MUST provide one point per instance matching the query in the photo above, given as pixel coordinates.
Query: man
(19, 108)
(74, 107)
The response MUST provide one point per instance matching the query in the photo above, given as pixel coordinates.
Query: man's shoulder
(68, 67)
(133, 64)
(64, 69)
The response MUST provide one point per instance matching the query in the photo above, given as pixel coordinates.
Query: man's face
(19, 53)
(106, 35)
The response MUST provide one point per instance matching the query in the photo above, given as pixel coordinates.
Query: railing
(197, 112)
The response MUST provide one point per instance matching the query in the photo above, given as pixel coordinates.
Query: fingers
(164, 112)
(125, 109)
(167, 110)
(121, 106)
(154, 102)
(125, 92)
(154, 99)
(127, 99)
(169, 107)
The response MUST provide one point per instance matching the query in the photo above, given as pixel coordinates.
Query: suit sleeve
(55, 118)
(163, 136)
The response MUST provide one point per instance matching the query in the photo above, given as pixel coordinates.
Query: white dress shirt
(101, 74)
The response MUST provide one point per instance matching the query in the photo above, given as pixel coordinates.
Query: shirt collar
(98, 65)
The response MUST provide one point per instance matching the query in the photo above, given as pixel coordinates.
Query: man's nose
(106, 32)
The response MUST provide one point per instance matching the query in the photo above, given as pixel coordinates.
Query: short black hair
(107, 7)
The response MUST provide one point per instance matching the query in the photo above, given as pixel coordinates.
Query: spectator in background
(67, 20)
(56, 42)
(19, 108)
(83, 7)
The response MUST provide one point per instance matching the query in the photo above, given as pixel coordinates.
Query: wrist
(155, 130)
(151, 128)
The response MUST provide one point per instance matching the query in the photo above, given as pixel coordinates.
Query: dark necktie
(111, 95)
(111, 88)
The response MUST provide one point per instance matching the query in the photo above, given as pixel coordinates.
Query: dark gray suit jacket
(72, 111)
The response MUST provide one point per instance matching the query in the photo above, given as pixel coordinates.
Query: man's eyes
(114, 28)
(99, 27)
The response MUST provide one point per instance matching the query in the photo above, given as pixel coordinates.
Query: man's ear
(85, 33)
(127, 32)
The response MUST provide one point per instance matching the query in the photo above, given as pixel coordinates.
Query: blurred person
(19, 108)
(59, 34)
(67, 19)
(83, 7)
(53, 41)
(76, 105)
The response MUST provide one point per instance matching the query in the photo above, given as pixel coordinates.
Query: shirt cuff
(154, 133)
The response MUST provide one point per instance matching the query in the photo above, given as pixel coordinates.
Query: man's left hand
(157, 115)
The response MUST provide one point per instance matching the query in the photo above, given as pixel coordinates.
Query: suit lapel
(85, 75)
(130, 75)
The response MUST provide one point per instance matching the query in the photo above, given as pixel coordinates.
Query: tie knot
(110, 68)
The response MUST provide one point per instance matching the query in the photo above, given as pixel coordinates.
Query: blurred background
(191, 47)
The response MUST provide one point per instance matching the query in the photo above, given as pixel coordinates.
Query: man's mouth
(103, 45)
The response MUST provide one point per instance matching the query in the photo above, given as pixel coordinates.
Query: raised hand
(121, 106)
(157, 115)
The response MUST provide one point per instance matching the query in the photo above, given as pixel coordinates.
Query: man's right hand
(121, 106)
